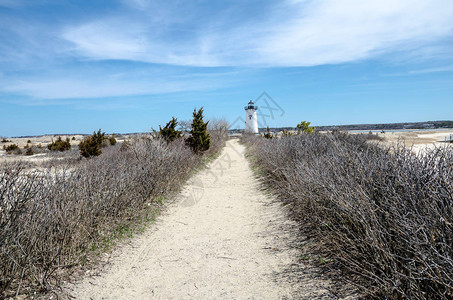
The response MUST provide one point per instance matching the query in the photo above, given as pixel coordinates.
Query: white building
(251, 120)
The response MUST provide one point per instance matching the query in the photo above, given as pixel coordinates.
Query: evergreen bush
(11, 148)
(59, 145)
(169, 132)
(91, 145)
(29, 151)
(112, 140)
(268, 134)
(304, 126)
(199, 139)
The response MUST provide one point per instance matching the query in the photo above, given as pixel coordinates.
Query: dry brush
(52, 218)
(384, 216)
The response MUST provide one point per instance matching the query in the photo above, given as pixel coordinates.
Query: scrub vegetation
(382, 216)
(59, 216)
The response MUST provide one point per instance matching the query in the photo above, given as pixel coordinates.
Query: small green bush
(59, 145)
(91, 145)
(112, 140)
(73, 138)
(169, 132)
(268, 134)
(29, 142)
(11, 148)
(5, 140)
(99, 136)
(304, 127)
(29, 151)
(199, 139)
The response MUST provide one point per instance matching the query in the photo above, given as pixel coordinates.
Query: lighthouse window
(250, 117)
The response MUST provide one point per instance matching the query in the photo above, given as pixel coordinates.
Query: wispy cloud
(84, 84)
(258, 33)
(293, 33)
(432, 70)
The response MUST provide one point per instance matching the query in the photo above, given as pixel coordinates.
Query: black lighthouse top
(251, 105)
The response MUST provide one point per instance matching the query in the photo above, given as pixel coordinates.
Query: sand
(419, 141)
(41, 155)
(222, 238)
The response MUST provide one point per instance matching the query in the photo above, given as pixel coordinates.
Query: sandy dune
(419, 141)
(221, 239)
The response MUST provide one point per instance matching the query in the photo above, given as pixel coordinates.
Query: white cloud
(107, 40)
(289, 33)
(341, 31)
(103, 85)
(296, 33)
(432, 70)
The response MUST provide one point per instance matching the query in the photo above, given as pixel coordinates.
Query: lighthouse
(251, 121)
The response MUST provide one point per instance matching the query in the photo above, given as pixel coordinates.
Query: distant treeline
(391, 126)
(388, 126)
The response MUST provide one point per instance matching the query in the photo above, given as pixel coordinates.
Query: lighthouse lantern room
(251, 121)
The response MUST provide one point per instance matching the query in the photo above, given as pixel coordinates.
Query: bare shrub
(54, 218)
(382, 214)
(218, 131)
(374, 136)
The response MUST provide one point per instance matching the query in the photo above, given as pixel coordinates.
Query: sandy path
(222, 239)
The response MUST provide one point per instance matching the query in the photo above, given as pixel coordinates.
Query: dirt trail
(222, 239)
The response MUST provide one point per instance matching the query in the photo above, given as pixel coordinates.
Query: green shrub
(91, 145)
(59, 145)
(304, 126)
(199, 139)
(11, 148)
(5, 140)
(73, 138)
(99, 136)
(169, 132)
(112, 140)
(29, 151)
(268, 134)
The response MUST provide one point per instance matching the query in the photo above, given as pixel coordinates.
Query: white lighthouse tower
(251, 121)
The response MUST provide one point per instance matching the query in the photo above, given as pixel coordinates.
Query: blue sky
(130, 65)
